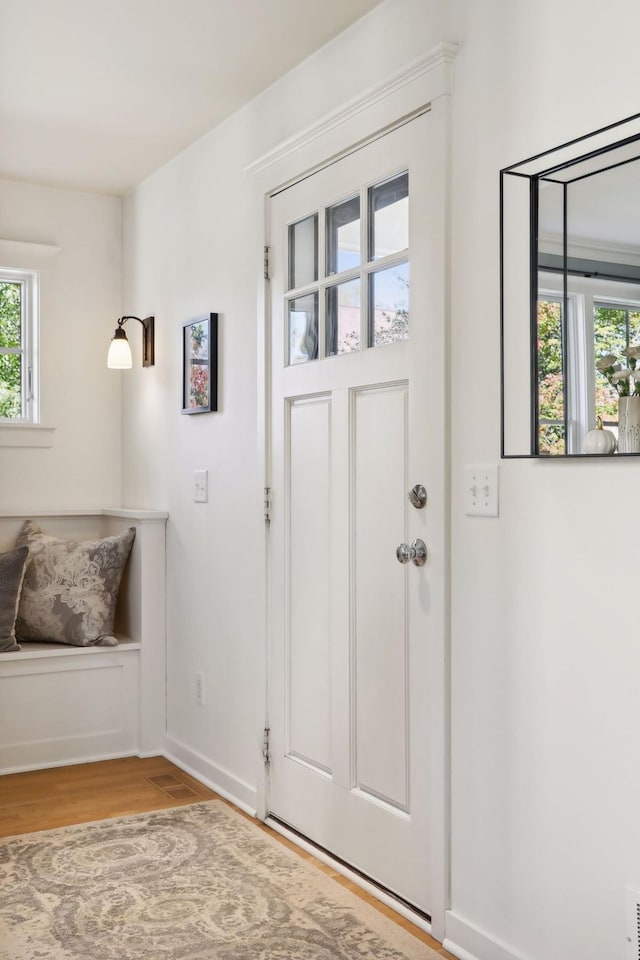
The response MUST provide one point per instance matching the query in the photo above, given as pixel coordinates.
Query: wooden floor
(45, 799)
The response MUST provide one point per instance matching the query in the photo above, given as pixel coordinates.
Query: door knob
(416, 552)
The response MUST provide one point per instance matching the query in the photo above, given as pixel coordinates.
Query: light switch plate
(481, 490)
(201, 486)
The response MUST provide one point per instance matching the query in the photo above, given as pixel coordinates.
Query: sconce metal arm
(148, 339)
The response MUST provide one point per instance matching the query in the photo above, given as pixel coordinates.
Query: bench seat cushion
(70, 588)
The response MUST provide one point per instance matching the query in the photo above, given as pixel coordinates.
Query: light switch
(201, 486)
(481, 490)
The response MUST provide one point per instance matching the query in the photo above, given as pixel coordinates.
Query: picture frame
(200, 365)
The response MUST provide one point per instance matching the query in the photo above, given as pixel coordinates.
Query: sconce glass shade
(119, 356)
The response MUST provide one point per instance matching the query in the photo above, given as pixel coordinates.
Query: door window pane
(389, 217)
(303, 329)
(343, 318)
(343, 236)
(389, 305)
(303, 252)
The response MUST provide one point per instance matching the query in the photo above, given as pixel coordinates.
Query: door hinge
(266, 753)
(267, 504)
(266, 263)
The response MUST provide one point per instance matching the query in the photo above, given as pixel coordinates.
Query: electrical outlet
(200, 689)
(201, 486)
(481, 490)
(632, 931)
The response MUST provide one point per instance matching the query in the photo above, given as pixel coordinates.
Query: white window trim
(28, 349)
(35, 263)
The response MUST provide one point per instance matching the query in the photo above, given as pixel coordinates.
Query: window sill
(26, 435)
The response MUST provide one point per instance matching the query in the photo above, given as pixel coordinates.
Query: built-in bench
(61, 704)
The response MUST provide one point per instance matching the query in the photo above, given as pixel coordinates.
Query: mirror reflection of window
(578, 261)
(615, 328)
(551, 377)
(572, 391)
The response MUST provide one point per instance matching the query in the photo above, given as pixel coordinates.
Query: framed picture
(200, 365)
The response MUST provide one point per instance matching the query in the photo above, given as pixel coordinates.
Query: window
(350, 292)
(18, 328)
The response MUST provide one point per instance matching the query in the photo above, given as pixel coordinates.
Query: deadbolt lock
(418, 496)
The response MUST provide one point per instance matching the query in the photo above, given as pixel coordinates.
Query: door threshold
(401, 906)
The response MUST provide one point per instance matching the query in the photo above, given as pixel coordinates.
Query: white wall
(189, 250)
(79, 396)
(545, 711)
(544, 654)
(193, 235)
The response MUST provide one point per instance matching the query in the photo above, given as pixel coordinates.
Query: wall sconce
(119, 356)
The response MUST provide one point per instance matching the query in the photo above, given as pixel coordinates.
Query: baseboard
(467, 942)
(229, 786)
(67, 762)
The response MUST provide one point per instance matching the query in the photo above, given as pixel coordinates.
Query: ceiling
(96, 94)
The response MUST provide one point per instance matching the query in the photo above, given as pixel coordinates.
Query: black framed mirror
(570, 298)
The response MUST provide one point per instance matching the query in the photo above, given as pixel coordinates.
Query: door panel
(309, 664)
(353, 376)
(380, 667)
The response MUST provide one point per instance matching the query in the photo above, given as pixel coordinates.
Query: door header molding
(433, 72)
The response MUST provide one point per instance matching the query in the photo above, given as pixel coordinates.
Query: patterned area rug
(198, 882)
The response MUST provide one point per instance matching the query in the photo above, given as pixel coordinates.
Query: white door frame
(423, 84)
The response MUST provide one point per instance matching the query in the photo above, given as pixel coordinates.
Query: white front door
(354, 427)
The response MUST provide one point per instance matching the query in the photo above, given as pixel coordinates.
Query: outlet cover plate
(200, 695)
(201, 486)
(632, 931)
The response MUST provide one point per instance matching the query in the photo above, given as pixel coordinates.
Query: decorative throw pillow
(12, 566)
(70, 589)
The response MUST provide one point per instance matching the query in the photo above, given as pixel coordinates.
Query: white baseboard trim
(458, 951)
(229, 786)
(467, 942)
(68, 762)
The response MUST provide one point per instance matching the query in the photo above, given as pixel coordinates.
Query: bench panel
(62, 709)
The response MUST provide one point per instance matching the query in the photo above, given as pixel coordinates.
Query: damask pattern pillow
(12, 567)
(70, 588)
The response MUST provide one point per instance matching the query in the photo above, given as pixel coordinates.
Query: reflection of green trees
(550, 378)
(614, 329)
(551, 439)
(10, 397)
